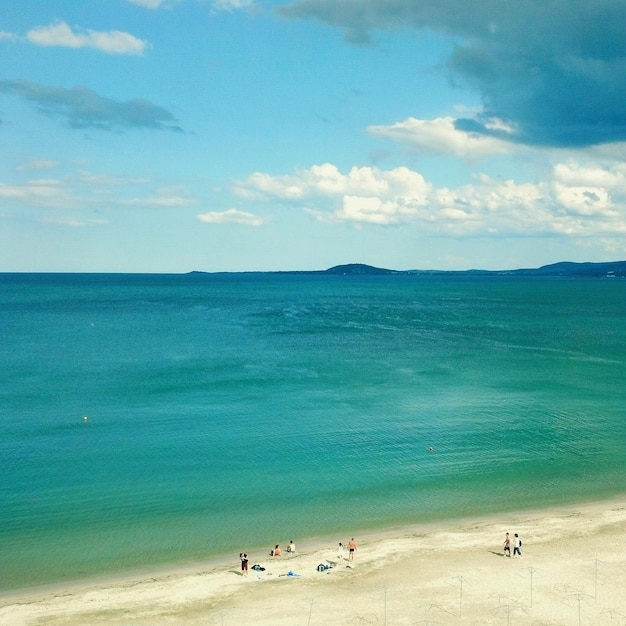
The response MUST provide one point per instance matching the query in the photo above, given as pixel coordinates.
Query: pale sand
(573, 571)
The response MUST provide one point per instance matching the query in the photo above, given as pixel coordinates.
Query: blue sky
(232, 135)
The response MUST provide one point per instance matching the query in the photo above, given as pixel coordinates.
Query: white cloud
(38, 164)
(587, 201)
(564, 203)
(94, 191)
(73, 222)
(89, 178)
(440, 137)
(572, 173)
(264, 184)
(40, 192)
(174, 196)
(111, 42)
(367, 209)
(608, 151)
(149, 4)
(327, 180)
(232, 216)
(230, 5)
(161, 201)
(216, 5)
(8, 36)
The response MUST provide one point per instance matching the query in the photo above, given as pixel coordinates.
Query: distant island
(610, 269)
(563, 268)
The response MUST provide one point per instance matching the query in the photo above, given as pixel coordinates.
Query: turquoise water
(230, 412)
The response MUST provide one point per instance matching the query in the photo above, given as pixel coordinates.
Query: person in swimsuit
(507, 545)
(351, 549)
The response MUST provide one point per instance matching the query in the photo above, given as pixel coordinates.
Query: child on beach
(340, 551)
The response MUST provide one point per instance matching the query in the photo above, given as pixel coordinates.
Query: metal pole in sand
(460, 578)
(532, 571)
(385, 589)
(595, 579)
(311, 602)
(509, 609)
(579, 597)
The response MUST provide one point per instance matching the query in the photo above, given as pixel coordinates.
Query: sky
(167, 136)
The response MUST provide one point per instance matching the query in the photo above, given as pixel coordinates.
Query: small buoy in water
(429, 449)
(84, 418)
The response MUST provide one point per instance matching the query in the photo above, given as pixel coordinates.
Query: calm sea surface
(230, 412)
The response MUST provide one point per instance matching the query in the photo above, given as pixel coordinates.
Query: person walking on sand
(340, 551)
(507, 545)
(517, 546)
(351, 549)
(244, 563)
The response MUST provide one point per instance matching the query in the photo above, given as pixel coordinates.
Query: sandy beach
(572, 571)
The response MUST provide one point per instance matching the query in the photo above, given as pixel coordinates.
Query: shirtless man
(351, 549)
(507, 545)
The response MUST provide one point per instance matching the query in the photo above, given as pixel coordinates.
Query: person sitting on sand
(291, 548)
(276, 551)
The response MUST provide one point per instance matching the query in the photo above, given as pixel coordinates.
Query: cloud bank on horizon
(311, 133)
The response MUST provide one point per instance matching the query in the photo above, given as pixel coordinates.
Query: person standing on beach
(517, 546)
(507, 545)
(340, 551)
(351, 549)
(244, 563)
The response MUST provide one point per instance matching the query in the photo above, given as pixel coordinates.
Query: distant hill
(359, 269)
(567, 268)
(564, 268)
(610, 269)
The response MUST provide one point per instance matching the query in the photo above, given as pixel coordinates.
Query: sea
(157, 420)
